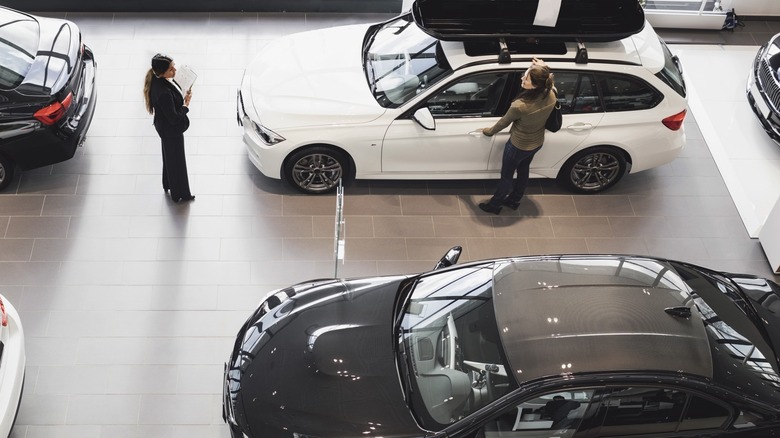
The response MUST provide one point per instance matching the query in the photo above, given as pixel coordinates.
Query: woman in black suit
(169, 105)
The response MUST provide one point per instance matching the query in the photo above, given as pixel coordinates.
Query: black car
(763, 87)
(537, 346)
(47, 91)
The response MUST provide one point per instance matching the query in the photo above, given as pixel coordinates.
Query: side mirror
(424, 117)
(450, 258)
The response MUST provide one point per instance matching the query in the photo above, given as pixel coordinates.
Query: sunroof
(562, 20)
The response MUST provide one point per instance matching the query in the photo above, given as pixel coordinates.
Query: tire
(316, 170)
(6, 172)
(593, 170)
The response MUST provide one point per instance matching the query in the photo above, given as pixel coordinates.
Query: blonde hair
(147, 88)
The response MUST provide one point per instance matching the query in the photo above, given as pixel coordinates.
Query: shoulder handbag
(555, 119)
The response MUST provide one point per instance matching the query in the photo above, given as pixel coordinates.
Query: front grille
(769, 84)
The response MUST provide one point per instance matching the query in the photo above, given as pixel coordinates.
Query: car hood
(323, 365)
(311, 79)
(57, 57)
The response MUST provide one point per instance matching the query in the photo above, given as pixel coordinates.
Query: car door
(582, 112)
(460, 110)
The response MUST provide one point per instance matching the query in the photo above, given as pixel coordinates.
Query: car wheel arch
(348, 165)
(7, 170)
(621, 155)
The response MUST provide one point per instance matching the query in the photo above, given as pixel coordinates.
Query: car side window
(560, 413)
(577, 92)
(703, 414)
(624, 93)
(645, 410)
(472, 96)
(635, 410)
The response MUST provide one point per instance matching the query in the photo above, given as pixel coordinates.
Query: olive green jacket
(527, 120)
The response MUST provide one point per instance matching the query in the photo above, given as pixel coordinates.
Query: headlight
(269, 137)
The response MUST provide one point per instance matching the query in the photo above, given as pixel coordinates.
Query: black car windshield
(742, 357)
(401, 61)
(19, 36)
(450, 354)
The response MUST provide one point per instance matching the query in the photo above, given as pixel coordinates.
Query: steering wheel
(489, 370)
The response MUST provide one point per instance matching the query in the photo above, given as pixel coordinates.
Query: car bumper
(12, 363)
(47, 145)
(267, 159)
(761, 108)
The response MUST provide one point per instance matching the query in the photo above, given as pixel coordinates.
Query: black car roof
(577, 20)
(559, 315)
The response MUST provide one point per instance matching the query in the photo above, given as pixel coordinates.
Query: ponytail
(549, 83)
(147, 87)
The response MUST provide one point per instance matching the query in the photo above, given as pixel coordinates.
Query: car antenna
(503, 54)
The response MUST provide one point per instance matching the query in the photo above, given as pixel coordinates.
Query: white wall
(756, 7)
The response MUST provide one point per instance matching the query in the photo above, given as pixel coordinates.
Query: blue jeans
(518, 161)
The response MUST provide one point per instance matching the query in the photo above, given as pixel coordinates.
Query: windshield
(743, 356)
(18, 45)
(401, 61)
(450, 352)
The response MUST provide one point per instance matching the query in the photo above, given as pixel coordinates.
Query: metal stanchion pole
(338, 241)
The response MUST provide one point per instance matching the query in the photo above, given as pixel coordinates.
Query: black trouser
(175, 167)
(514, 160)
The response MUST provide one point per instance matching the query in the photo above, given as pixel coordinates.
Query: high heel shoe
(514, 205)
(487, 208)
(186, 198)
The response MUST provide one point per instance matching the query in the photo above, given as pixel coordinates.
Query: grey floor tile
(617, 245)
(485, 248)
(606, 205)
(541, 246)
(16, 250)
(22, 205)
(37, 227)
(103, 409)
(430, 205)
(586, 226)
(63, 432)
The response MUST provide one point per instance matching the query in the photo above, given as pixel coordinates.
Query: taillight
(51, 114)
(3, 316)
(674, 122)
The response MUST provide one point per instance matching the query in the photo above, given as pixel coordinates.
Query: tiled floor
(130, 302)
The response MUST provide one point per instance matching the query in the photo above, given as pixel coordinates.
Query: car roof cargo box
(577, 20)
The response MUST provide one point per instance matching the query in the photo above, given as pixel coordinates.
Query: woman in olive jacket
(527, 115)
(164, 99)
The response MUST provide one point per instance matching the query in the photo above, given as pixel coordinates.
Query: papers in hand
(185, 77)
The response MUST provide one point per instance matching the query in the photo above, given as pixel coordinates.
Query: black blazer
(170, 114)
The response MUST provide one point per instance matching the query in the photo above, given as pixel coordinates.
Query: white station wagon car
(12, 361)
(397, 100)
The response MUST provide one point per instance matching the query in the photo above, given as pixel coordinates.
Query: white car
(12, 361)
(391, 101)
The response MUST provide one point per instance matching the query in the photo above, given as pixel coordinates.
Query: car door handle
(477, 133)
(580, 127)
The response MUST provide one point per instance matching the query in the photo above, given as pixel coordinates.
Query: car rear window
(19, 36)
(671, 74)
(625, 93)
